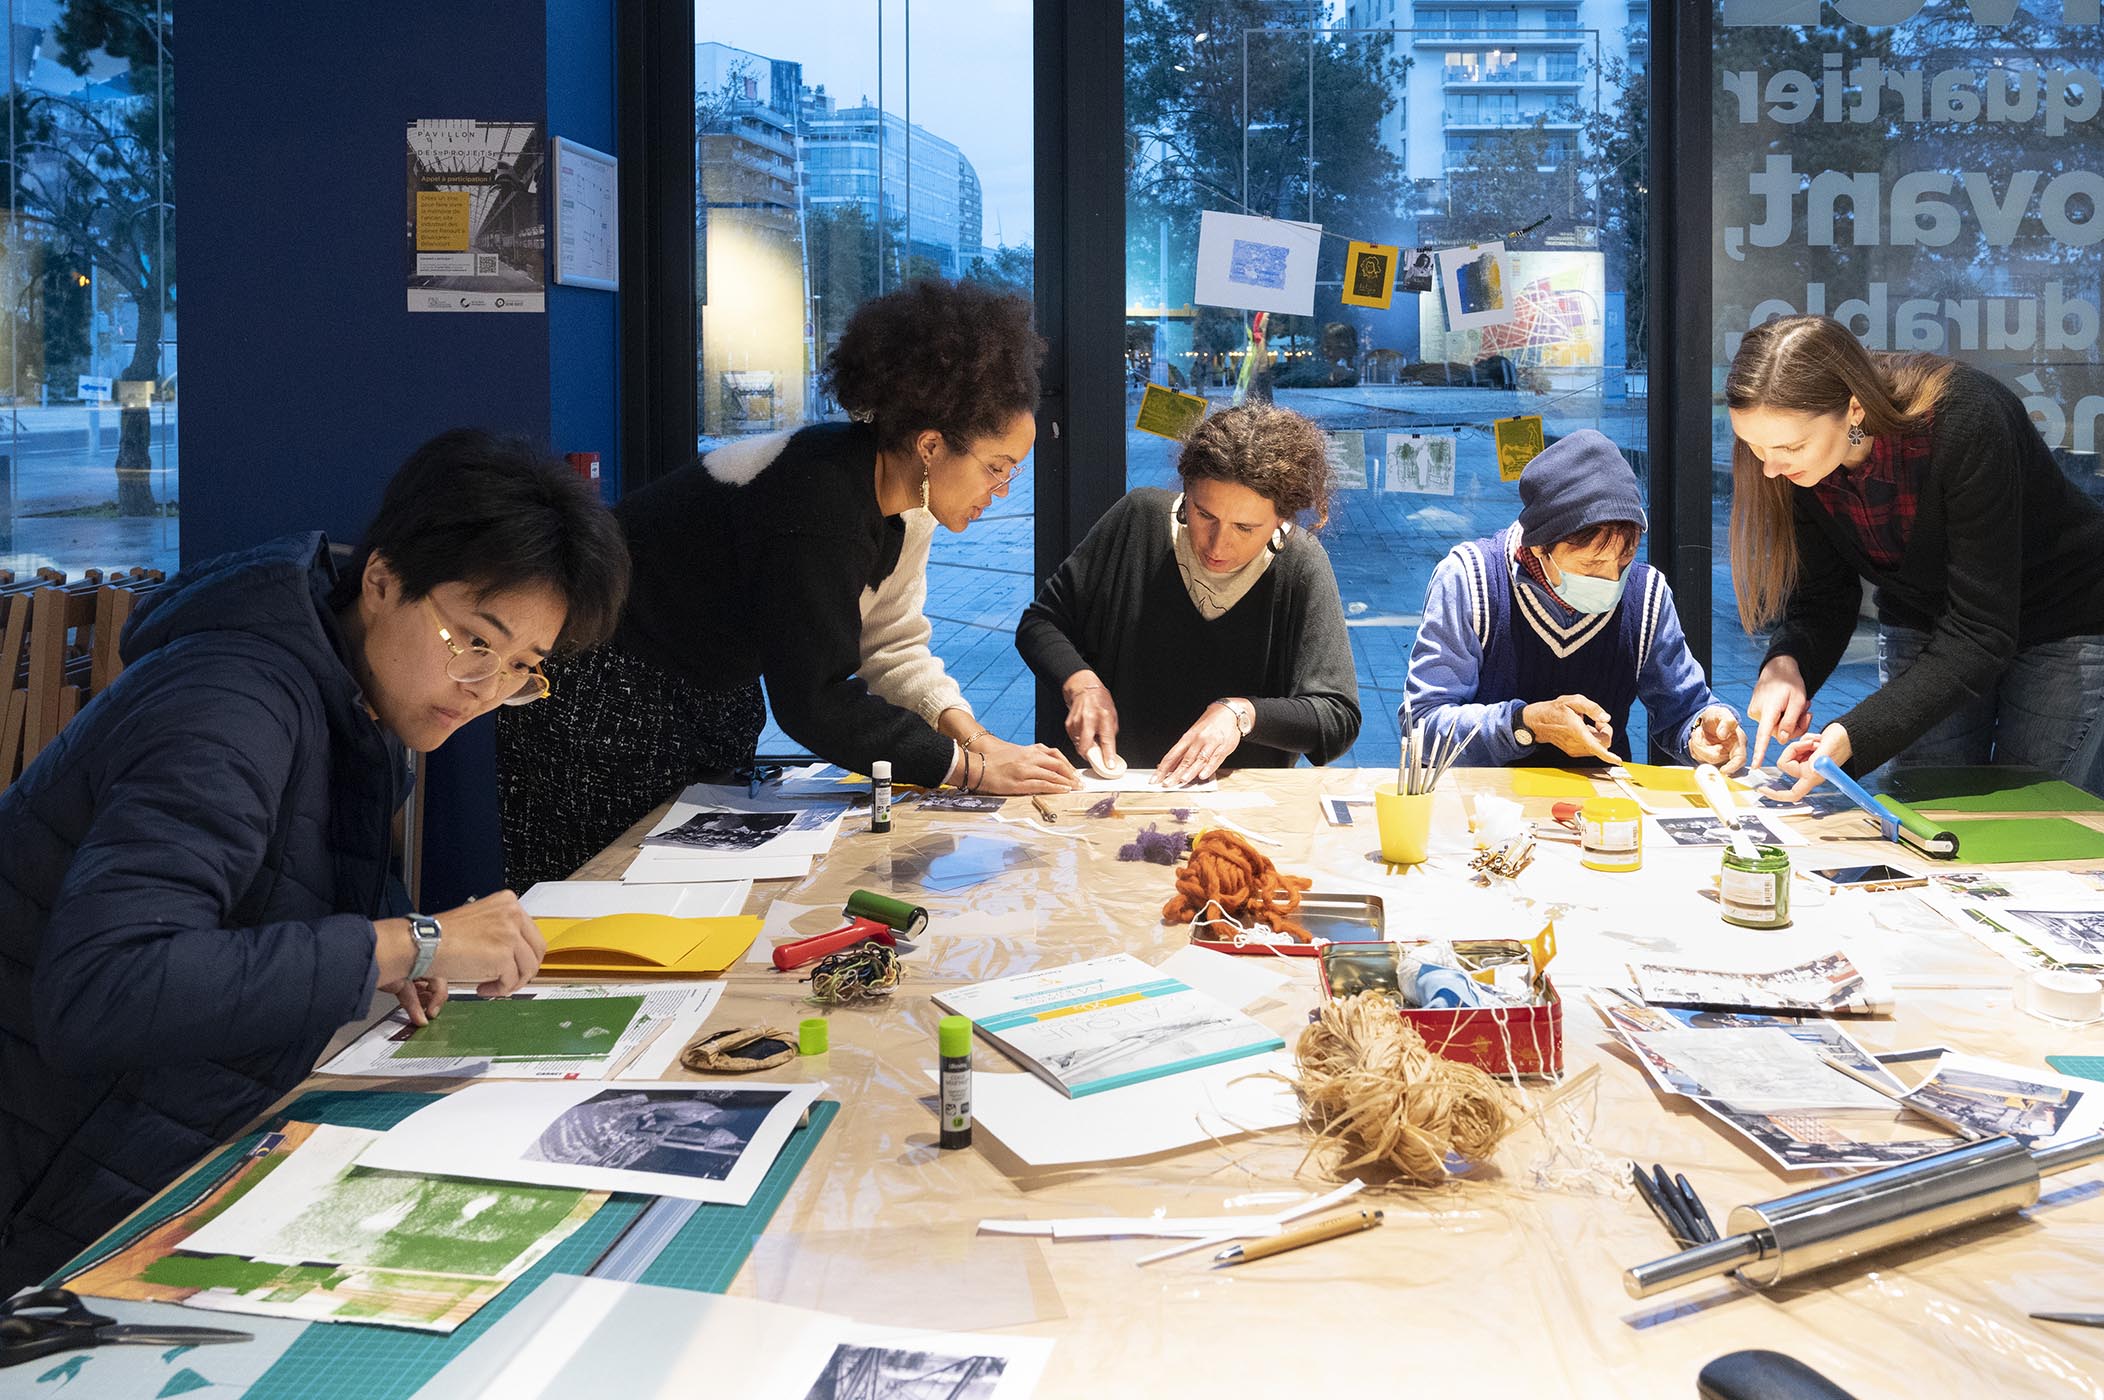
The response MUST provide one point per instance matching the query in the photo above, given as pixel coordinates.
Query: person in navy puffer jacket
(195, 887)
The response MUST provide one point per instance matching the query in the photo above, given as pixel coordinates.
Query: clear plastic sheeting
(1488, 1286)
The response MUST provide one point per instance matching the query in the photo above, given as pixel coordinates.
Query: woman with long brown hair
(1927, 478)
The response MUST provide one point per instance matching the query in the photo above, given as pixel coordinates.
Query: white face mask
(1587, 594)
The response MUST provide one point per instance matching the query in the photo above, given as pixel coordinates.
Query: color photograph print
(1257, 264)
(1369, 275)
(1477, 283)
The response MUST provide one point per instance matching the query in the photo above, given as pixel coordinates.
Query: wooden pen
(1328, 1229)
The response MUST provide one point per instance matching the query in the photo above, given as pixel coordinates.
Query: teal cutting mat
(2080, 1066)
(334, 1359)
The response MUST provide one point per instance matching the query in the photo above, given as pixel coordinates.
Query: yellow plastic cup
(1405, 820)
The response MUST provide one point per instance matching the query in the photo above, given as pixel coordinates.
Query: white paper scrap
(592, 899)
(1046, 1128)
(1257, 264)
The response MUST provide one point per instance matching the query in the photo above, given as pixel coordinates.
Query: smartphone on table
(1870, 877)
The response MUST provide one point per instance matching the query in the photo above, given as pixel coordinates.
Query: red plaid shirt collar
(1875, 502)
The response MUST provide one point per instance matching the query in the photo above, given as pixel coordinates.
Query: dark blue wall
(306, 380)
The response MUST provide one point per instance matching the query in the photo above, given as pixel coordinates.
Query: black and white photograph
(729, 831)
(885, 1373)
(1419, 270)
(2071, 936)
(1706, 829)
(960, 802)
(697, 1132)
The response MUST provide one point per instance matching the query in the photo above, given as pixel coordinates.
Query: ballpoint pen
(1698, 1213)
(1329, 1229)
(1667, 1217)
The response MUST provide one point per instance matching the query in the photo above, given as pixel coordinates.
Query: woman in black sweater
(1926, 477)
(753, 562)
(1188, 629)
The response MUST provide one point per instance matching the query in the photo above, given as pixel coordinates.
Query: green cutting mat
(2081, 1066)
(2006, 840)
(335, 1359)
(1988, 790)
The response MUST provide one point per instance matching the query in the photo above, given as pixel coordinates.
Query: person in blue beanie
(1538, 640)
(195, 881)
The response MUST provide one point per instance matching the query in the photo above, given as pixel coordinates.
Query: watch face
(1524, 735)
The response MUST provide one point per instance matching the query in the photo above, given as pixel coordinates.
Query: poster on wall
(1257, 264)
(1557, 330)
(478, 231)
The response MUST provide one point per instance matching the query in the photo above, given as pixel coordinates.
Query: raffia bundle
(1375, 1095)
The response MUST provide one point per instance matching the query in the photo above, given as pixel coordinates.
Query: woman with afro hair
(798, 559)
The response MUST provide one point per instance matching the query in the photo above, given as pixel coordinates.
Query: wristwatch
(425, 930)
(1521, 734)
(1245, 714)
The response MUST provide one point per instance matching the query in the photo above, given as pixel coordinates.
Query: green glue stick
(953, 1037)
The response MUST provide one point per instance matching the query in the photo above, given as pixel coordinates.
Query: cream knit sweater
(896, 661)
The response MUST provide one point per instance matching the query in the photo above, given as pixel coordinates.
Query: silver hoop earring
(1183, 517)
(1277, 541)
(1855, 435)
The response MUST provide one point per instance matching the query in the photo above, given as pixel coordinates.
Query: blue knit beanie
(1577, 481)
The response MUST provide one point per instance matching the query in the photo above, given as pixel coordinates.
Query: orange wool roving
(1225, 871)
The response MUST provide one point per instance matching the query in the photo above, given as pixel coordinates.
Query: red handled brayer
(810, 950)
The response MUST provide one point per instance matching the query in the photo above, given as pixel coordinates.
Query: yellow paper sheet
(1654, 777)
(1552, 782)
(646, 943)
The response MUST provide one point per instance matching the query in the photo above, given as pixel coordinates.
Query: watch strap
(426, 933)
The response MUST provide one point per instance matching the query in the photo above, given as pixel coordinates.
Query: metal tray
(1331, 918)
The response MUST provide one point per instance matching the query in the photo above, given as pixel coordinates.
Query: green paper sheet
(1989, 790)
(2008, 840)
(561, 1028)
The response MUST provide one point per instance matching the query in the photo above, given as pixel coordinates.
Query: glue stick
(880, 796)
(953, 1035)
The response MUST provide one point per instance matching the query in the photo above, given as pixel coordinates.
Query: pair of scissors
(53, 1320)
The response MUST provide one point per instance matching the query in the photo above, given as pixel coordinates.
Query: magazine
(1827, 984)
(1099, 1024)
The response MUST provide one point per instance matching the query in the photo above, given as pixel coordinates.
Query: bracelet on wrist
(982, 734)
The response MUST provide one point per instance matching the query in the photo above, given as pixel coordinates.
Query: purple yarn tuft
(1154, 846)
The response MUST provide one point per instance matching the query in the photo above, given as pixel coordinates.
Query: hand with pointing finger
(1780, 707)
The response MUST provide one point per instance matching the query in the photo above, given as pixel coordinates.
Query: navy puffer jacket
(188, 879)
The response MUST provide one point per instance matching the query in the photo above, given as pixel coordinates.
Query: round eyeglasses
(475, 663)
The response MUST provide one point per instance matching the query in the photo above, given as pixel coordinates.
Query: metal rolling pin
(1842, 1220)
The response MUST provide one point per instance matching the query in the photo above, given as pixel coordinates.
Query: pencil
(1329, 1229)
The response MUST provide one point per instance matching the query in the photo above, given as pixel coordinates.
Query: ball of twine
(1375, 1095)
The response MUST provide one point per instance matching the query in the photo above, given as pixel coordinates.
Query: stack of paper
(1772, 1080)
(697, 1142)
(719, 833)
(2034, 918)
(638, 945)
(303, 1232)
(663, 1017)
(587, 1336)
(594, 899)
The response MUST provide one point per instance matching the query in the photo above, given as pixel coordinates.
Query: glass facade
(1369, 119)
(843, 147)
(1931, 183)
(88, 471)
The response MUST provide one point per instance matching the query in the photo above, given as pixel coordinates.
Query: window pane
(826, 178)
(1839, 191)
(87, 454)
(1387, 166)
